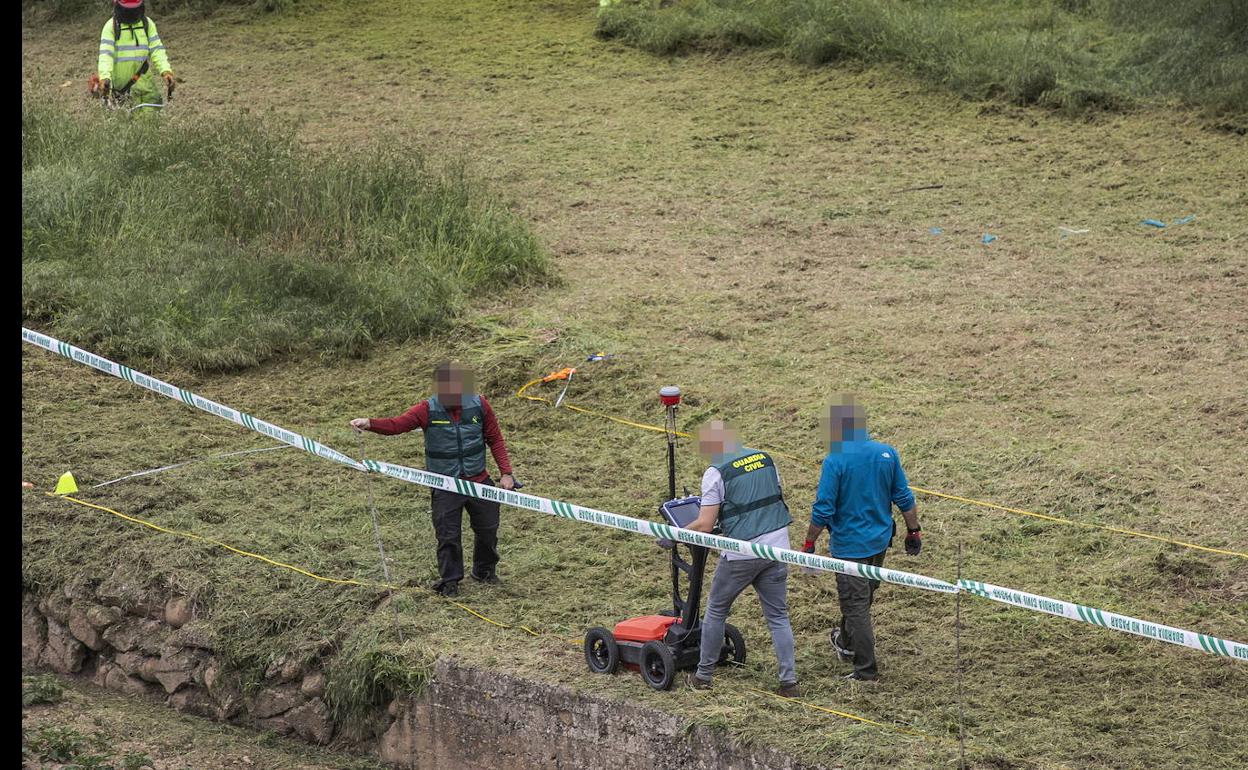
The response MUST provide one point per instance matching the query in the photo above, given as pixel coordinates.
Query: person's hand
(914, 541)
(808, 546)
(106, 85)
(507, 481)
(360, 424)
(167, 76)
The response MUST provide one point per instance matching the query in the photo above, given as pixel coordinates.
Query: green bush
(55, 744)
(366, 673)
(219, 245)
(90, 762)
(134, 760)
(1075, 55)
(44, 688)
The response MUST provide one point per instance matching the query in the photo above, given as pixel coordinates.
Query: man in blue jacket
(860, 482)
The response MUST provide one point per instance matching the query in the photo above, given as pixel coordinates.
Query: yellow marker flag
(66, 485)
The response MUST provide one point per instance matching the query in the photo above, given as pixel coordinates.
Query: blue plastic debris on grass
(987, 238)
(1153, 223)
(1183, 220)
(934, 231)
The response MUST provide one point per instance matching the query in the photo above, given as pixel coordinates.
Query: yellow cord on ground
(864, 720)
(283, 565)
(1061, 520)
(241, 552)
(968, 500)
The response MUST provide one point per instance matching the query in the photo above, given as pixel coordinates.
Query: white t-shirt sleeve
(712, 487)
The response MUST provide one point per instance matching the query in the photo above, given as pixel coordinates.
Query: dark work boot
(445, 589)
(789, 690)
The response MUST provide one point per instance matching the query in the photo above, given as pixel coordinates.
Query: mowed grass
(221, 244)
(1077, 55)
(736, 226)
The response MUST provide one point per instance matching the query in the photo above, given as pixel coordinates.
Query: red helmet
(128, 3)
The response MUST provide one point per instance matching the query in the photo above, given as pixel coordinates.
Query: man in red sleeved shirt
(458, 424)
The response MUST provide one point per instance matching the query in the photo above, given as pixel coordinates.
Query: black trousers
(448, 523)
(855, 595)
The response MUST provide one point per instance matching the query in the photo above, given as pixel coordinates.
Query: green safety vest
(753, 504)
(455, 448)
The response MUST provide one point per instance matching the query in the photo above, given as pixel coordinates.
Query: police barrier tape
(1093, 616)
(187, 397)
(1106, 619)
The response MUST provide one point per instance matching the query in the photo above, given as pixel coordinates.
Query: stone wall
(139, 643)
(470, 719)
(142, 644)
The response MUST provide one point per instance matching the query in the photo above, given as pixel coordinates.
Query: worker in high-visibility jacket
(130, 50)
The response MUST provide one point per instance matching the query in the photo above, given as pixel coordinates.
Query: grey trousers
(856, 595)
(731, 578)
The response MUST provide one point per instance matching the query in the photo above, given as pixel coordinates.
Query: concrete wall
(137, 642)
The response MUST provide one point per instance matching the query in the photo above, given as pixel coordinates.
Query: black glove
(914, 541)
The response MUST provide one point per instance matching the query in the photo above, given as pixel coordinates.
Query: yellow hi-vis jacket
(120, 58)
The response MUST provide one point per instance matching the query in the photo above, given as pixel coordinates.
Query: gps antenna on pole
(669, 396)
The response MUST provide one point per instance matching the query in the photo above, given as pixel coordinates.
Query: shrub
(56, 744)
(40, 689)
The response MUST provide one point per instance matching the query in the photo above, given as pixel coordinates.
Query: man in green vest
(458, 426)
(130, 49)
(741, 490)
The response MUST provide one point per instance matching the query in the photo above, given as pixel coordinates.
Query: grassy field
(738, 226)
(1077, 55)
(90, 727)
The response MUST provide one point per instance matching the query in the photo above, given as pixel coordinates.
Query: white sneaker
(854, 677)
(842, 652)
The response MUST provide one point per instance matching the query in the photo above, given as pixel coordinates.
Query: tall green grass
(220, 245)
(1071, 54)
(69, 9)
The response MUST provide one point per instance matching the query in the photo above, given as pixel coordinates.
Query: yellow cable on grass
(1061, 520)
(283, 565)
(864, 720)
(193, 536)
(968, 500)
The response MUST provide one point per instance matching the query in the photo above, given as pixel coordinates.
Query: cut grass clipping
(216, 246)
(1071, 54)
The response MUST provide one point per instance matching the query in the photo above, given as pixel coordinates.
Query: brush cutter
(114, 98)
